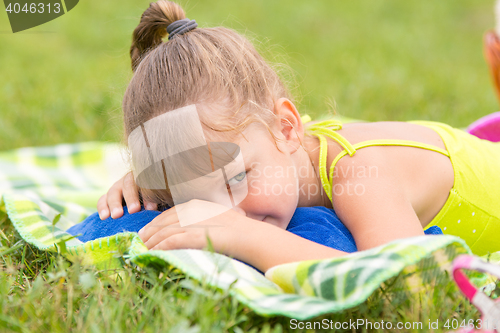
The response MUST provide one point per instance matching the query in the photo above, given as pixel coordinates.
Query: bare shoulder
(372, 201)
(393, 130)
(388, 175)
(370, 168)
(382, 183)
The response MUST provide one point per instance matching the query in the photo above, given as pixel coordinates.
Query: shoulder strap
(328, 128)
(322, 128)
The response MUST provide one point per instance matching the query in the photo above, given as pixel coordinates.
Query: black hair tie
(180, 27)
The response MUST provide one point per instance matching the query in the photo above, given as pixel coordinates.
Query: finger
(150, 205)
(182, 241)
(131, 194)
(102, 207)
(164, 234)
(114, 200)
(163, 220)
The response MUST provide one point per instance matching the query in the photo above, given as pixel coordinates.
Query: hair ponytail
(153, 28)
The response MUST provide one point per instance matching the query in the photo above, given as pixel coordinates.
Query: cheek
(279, 197)
(272, 189)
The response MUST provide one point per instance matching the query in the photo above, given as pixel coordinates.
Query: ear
(289, 123)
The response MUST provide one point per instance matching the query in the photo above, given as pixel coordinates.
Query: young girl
(385, 180)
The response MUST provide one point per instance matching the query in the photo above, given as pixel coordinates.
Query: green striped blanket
(46, 190)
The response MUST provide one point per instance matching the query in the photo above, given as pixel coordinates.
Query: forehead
(186, 129)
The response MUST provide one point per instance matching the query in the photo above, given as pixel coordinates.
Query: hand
(257, 243)
(112, 201)
(166, 233)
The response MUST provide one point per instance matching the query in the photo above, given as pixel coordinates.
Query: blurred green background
(63, 81)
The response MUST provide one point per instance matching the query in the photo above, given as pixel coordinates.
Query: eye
(238, 178)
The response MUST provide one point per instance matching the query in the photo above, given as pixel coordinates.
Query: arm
(255, 242)
(269, 246)
(375, 208)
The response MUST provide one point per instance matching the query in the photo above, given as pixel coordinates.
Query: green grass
(374, 60)
(42, 292)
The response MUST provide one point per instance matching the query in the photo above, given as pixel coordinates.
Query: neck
(311, 191)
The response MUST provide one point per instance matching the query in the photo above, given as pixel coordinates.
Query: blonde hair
(217, 69)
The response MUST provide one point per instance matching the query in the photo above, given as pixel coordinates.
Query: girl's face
(271, 177)
(265, 182)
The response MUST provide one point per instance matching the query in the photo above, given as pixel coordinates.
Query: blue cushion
(318, 224)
